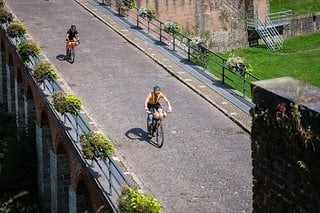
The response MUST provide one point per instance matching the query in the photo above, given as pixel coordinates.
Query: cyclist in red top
(152, 102)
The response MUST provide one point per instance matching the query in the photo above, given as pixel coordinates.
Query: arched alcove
(83, 198)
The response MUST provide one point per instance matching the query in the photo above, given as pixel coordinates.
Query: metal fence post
(160, 31)
(137, 19)
(110, 177)
(174, 42)
(188, 49)
(77, 127)
(223, 68)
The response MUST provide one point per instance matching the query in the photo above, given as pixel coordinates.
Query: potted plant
(66, 103)
(171, 27)
(5, 15)
(16, 29)
(131, 200)
(28, 48)
(95, 145)
(42, 70)
(197, 42)
(237, 63)
(2, 3)
(147, 12)
(127, 6)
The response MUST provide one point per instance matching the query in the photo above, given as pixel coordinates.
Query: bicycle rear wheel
(72, 55)
(159, 134)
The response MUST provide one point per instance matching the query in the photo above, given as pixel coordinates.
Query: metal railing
(181, 44)
(76, 125)
(282, 16)
(269, 34)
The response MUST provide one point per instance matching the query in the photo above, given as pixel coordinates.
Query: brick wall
(286, 146)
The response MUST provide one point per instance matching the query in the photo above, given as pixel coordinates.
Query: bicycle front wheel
(72, 55)
(159, 135)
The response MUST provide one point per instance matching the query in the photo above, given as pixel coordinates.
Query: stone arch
(3, 76)
(44, 153)
(61, 183)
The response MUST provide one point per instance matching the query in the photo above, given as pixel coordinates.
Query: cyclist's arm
(67, 37)
(168, 103)
(146, 102)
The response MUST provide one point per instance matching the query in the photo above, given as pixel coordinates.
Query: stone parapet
(286, 146)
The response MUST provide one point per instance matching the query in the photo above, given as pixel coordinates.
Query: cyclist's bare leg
(160, 112)
(149, 122)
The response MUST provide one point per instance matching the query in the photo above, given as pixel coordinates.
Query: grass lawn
(300, 59)
(298, 7)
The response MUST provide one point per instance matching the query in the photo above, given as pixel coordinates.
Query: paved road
(205, 163)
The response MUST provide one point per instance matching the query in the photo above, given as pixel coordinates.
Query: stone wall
(286, 146)
(302, 25)
(220, 19)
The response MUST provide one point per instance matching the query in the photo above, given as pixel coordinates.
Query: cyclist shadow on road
(62, 57)
(141, 135)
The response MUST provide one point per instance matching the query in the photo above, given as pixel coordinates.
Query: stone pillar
(44, 164)
(10, 89)
(63, 181)
(60, 181)
(261, 9)
(2, 79)
(19, 104)
(39, 149)
(54, 187)
(72, 200)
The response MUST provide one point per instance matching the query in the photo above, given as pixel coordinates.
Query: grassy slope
(299, 59)
(299, 7)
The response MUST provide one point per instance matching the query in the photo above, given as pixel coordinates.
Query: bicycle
(157, 130)
(71, 52)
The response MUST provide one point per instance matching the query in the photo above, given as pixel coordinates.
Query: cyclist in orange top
(152, 103)
(72, 35)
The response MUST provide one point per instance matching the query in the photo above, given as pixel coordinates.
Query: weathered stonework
(286, 146)
(59, 166)
(302, 25)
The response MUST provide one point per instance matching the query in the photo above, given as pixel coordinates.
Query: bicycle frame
(71, 50)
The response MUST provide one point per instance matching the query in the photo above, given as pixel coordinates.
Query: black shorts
(154, 106)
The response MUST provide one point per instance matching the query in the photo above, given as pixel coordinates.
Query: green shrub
(131, 201)
(147, 12)
(66, 103)
(131, 4)
(95, 145)
(42, 69)
(28, 48)
(236, 63)
(5, 15)
(16, 29)
(171, 27)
